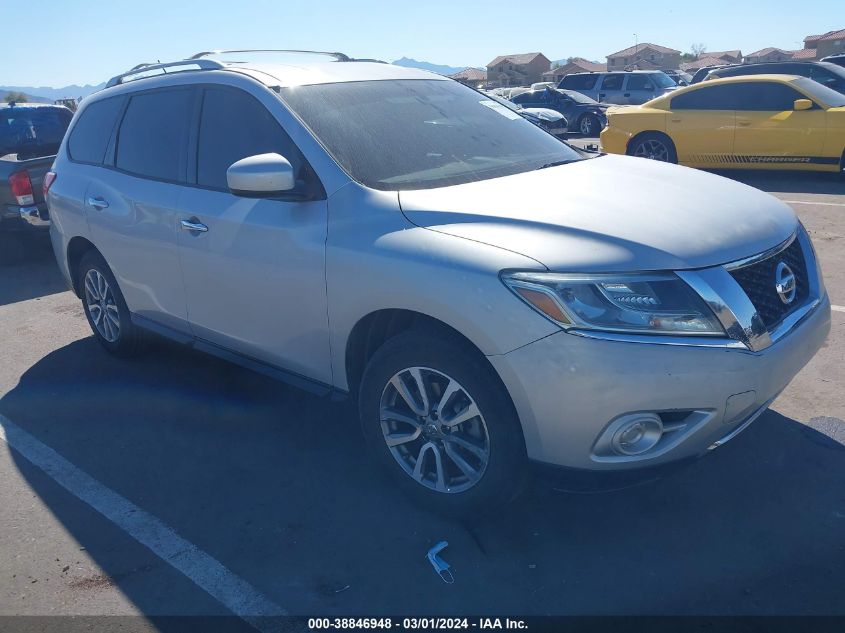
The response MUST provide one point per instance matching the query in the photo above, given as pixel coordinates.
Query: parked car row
(756, 121)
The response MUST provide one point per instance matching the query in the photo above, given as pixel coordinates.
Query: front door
(701, 124)
(770, 132)
(255, 271)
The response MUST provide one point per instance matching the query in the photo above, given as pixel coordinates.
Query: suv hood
(609, 213)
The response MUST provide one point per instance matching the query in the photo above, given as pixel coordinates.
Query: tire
(105, 308)
(654, 146)
(589, 125)
(494, 469)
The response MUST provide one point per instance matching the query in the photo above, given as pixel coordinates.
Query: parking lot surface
(191, 463)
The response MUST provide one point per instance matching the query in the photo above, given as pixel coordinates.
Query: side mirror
(802, 104)
(260, 176)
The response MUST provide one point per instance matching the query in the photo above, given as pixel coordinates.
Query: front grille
(758, 282)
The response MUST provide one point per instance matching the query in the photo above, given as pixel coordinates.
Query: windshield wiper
(558, 163)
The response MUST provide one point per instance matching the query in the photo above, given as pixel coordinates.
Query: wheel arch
(376, 328)
(640, 135)
(76, 249)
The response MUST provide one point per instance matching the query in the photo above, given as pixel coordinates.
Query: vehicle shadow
(276, 484)
(789, 182)
(27, 267)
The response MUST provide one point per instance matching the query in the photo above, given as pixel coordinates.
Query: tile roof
(766, 51)
(580, 63)
(701, 62)
(736, 54)
(470, 74)
(518, 59)
(830, 35)
(805, 53)
(640, 47)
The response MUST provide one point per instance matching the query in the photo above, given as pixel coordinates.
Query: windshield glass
(663, 80)
(826, 95)
(578, 97)
(32, 132)
(420, 133)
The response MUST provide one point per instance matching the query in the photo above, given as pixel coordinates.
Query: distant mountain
(47, 94)
(435, 68)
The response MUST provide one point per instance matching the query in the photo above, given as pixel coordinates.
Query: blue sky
(71, 41)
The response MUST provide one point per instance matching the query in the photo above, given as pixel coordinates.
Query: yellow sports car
(753, 122)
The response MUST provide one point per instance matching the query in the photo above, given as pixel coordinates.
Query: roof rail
(143, 69)
(341, 57)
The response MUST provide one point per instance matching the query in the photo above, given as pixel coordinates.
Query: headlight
(651, 303)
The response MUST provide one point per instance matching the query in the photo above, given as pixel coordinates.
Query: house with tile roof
(830, 43)
(645, 56)
(475, 77)
(574, 65)
(704, 60)
(521, 69)
(728, 57)
(769, 54)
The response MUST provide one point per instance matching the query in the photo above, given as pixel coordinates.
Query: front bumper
(576, 391)
(613, 140)
(567, 389)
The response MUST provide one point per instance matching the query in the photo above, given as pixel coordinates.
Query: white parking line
(202, 569)
(838, 308)
(823, 204)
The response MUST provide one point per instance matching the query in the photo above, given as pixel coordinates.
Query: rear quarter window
(579, 82)
(90, 136)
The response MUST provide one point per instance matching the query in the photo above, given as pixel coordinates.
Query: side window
(639, 82)
(152, 140)
(766, 96)
(612, 82)
(709, 98)
(234, 125)
(90, 136)
(579, 82)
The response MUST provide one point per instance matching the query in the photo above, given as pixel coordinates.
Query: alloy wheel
(652, 149)
(434, 430)
(99, 300)
(587, 125)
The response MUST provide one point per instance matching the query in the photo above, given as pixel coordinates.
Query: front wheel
(440, 422)
(589, 125)
(653, 146)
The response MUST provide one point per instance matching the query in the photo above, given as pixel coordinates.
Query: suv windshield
(662, 80)
(421, 133)
(31, 132)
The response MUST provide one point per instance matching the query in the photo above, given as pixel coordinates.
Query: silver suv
(625, 88)
(369, 231)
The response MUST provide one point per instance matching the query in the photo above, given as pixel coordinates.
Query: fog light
(637, 434)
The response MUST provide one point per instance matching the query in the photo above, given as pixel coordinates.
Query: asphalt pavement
(178, 484)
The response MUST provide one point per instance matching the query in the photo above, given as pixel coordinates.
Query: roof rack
(341, 57)
(141, 70)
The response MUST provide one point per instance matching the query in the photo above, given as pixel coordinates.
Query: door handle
(743, 122)
(192, 225)
(627, 94)
(98, 203)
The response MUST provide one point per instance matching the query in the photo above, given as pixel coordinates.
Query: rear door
(255, 274)
(131, 204)
(770, 132)
(638, 89)
(610, 88)
(701, 124)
